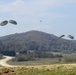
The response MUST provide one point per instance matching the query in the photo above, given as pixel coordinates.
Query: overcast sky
(58, 16)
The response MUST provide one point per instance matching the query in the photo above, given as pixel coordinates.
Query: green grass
(38, 61)
(73, 55)
(45, 61)
(60, 70)
(57, 69)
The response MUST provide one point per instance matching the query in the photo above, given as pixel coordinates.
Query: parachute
(3, 23)
(61, 36)
(13, 22)
(70, 36)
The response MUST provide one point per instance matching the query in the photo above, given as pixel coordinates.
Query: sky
(58, 16)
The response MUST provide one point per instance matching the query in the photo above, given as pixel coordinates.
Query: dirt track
(3, 61)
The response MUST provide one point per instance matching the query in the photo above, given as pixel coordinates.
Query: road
(3, 62)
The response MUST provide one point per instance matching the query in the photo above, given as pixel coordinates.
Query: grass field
(45, 61)
(39, 61)
(52, 70)
(47, 66)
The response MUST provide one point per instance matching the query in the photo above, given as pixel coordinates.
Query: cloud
(26, 10)
(17, 4)
(34, 5)
(25, 6)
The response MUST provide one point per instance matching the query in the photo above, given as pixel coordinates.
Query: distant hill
(73, 41)
(36, 40)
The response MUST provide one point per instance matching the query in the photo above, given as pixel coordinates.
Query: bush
(67, 59)
(23, 57)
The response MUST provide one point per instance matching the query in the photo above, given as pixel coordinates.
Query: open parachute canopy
(3, 23)
(61, 36)
(70, 36)
(13, 22)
